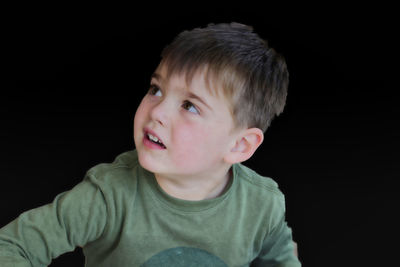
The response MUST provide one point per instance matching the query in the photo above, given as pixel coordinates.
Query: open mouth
(154, 140)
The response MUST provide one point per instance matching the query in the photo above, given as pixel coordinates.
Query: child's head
(211, 98)
(252, 76)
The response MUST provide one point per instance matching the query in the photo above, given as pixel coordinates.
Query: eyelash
(187, 105)
(154, 89)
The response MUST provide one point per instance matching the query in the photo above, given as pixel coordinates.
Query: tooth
(153, 138)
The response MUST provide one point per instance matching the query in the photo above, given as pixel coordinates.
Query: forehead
(199, 83)
(200, 79)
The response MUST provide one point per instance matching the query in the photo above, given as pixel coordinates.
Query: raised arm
(39, 235)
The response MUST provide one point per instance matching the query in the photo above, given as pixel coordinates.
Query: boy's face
(194, 128)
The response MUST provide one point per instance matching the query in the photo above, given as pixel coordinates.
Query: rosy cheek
(142, 110)
(139, 117)
(137, 120)
(189, 132)
(187, 138)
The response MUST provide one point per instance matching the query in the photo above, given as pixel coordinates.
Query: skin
(200, 141)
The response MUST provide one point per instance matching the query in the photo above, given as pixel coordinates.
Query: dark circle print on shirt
(184, 257)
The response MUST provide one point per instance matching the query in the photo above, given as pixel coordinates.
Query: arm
(278, 248)
(39, 235)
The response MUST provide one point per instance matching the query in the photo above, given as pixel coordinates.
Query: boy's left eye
(190, 107)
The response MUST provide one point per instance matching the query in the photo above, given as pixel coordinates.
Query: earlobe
(246, 144)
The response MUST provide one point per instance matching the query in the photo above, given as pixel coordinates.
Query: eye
(187, 105)
(155, 90)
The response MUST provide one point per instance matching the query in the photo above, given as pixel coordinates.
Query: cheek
(186, 138)
(138, 119)
(141, 111)
(195, 144)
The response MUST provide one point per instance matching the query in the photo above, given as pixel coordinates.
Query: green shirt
(122, 217)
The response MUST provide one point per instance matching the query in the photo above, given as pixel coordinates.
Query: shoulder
(253, 179)
(121, 172)
(259, 189)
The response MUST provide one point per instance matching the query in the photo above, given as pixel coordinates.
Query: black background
(75, 75)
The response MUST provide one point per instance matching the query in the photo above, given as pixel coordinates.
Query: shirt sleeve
(37, 236)
(278, 248)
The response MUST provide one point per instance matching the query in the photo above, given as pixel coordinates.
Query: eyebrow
(156, 76)
(198, 98)
(189, 94)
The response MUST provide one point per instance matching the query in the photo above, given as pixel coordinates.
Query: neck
(196, 187)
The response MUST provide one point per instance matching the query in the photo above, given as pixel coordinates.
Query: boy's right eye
(155, 90)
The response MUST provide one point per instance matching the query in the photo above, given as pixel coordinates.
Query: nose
(159, 113)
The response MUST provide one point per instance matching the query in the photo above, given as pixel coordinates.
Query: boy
(182, 198)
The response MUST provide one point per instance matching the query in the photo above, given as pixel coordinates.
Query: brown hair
(253, 76)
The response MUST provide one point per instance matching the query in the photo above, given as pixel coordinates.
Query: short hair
(253, 76)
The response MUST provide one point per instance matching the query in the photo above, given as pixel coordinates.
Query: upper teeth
(153, 138)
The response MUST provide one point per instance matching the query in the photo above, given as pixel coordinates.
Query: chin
(147, 163)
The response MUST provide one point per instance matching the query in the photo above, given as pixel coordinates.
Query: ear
(245, 145)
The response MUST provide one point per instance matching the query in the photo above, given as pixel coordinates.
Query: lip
(149, 143)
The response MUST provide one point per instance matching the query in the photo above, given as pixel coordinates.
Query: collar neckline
(163, 198)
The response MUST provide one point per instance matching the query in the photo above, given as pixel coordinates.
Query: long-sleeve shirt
(120, 216)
